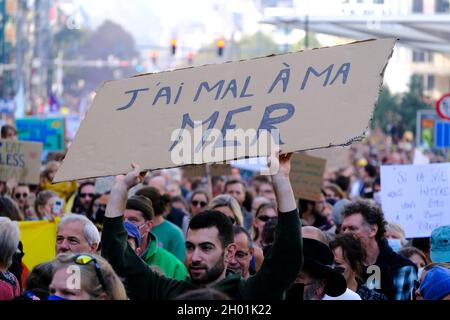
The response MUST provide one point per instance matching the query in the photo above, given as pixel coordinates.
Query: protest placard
(49, 131)
(214, 113)
(307, 176)
(20, 160)
(416, 196)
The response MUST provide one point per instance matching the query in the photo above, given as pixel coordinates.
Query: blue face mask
(395, 244)
(54, 297)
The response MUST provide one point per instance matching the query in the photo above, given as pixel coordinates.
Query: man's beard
(210, 275)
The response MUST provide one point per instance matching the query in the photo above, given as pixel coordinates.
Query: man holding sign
(209, 249)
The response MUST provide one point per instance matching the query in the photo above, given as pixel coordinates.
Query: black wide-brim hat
(318, 263)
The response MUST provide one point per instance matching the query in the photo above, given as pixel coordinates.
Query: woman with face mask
(84, 277)
(395, 236)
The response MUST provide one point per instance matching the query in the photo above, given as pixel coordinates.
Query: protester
(45, 205)
(349, 255)
(198, 203)
(265, 212)
(266, 191)
(244, 252)
(365, 220)
(395, 236)
(10, 209)
(237, 189)
(169, 236)
(9, 241)
(38, 281)
(435, 284)
(229, 207)
(9, 132)
(22, 195)
(209, 247)
(98, 281)
(440, 244)
(203, 294)
(83, 198)
(139, 212)
(416, 256)
(76, 233)
(63, 189)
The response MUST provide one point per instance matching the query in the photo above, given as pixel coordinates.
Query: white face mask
(419, 272)
(395, 244)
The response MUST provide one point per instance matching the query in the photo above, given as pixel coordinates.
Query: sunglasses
(23, 195)
(266, 218)
(84, 259)
(84, 195)
(195, 203)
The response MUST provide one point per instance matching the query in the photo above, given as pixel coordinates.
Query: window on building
(430, 82)
(417, 6)
(442, 6)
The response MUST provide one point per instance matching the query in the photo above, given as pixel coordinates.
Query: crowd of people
(161, 235)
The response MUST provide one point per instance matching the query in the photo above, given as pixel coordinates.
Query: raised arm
(141, 282)
(284, 260)
(282, 185)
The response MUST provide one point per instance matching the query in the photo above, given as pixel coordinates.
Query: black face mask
(295, 293)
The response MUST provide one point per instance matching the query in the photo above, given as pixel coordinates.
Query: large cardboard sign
(20, 160)
(307, 176)
(416, 196)
(315, 99)
(48, 131)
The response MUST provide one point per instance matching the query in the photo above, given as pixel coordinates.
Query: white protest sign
(215, 113)
(416, 196)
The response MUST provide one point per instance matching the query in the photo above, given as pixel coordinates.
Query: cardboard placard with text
(20, 160)
(216, 113)
(307, 176)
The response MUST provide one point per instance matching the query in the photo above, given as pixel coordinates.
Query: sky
(200, 21)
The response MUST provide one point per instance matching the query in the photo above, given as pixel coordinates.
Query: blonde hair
(90, 282)
(225, 200)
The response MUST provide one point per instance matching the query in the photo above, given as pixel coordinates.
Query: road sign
(442, 135)
(443, 106)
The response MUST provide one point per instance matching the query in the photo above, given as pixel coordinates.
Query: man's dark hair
(343, 182)
(352, 251)
(371, 170)
(40, 277)
(216, 219)
(239, 229)
(234, 181)
(371, 213)
(159, 201)
(86, 183)
(303, 205)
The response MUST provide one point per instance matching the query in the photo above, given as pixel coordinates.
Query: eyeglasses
(264, 218)
(241, 255)
(23, 195)
(84, 195)
(195, 203)
(84, 259)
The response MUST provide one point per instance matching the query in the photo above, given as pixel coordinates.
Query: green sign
(48, 131)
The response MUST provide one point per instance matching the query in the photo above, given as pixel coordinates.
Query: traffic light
(220, 45)
(154, 56)
(173, 46)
